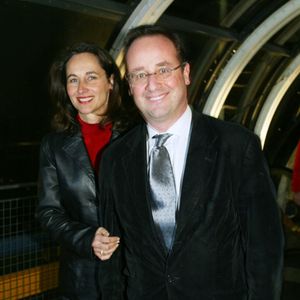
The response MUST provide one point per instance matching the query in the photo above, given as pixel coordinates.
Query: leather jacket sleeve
(55, 210)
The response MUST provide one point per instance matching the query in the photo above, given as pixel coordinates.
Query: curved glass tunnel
(245, 69)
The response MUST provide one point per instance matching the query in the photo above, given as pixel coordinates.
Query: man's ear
(186, 74)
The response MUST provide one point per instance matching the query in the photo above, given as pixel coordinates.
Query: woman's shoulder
(57, 139)
(54, 136)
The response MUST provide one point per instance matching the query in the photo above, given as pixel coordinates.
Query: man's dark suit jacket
(229, 241)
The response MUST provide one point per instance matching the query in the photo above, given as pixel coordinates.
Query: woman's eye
(72, 80)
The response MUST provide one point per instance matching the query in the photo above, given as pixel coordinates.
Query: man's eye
(140, 76)
(164, 70)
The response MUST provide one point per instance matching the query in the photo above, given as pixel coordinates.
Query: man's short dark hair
(152, 30)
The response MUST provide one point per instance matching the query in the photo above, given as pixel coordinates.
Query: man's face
(161, 101)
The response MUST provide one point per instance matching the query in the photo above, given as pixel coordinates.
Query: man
(224, 241)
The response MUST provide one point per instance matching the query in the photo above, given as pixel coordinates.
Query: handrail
(17, 185)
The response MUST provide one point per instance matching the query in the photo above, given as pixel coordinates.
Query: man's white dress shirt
(177, 146)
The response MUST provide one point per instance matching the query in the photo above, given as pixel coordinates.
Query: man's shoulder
(225, 131)
(125, 141)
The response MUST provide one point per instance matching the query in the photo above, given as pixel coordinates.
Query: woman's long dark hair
(64, 112)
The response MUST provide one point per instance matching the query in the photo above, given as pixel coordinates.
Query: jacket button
(171, 279)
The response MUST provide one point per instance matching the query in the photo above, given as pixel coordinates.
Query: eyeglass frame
(170, 72)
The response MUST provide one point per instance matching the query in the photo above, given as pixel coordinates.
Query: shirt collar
(180, 128)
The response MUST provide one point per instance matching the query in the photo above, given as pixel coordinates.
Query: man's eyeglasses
(161, 74)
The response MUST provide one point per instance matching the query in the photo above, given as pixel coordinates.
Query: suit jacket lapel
(135, 168)
(198, 171)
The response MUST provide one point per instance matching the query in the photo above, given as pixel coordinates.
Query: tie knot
(161, 139)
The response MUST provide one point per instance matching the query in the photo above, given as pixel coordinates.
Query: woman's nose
(82, 87)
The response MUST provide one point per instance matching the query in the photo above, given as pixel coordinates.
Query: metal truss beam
(246, 52)
(275, 97)
(147, 12)
(100, 8)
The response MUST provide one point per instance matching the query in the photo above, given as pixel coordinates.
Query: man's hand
(103, 244)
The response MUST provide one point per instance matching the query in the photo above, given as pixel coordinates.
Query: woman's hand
(103, 244)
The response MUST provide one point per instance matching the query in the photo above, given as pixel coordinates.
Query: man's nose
(153, 80)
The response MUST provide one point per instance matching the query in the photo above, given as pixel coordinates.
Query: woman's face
(87, 86)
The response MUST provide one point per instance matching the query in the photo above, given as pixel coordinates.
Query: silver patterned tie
(162, 188)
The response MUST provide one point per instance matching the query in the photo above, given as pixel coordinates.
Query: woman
(85, 87)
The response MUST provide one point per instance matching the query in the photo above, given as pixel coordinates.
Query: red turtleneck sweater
(95, 139)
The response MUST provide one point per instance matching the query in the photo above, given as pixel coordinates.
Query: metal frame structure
(147, 12)
(245, 53)
(274, 98)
